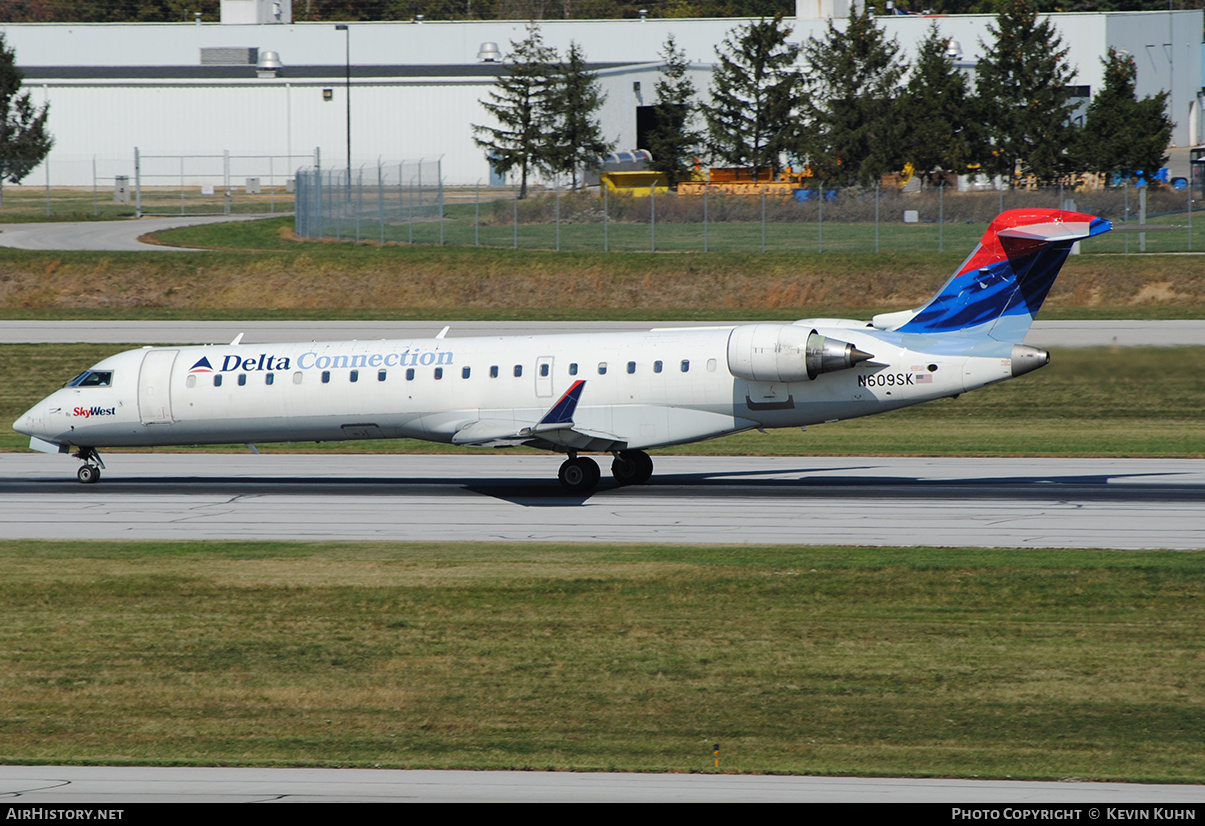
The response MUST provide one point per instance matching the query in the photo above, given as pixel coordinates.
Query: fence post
(47, 164)
(137, 184)
(763, 219)
(606, 221)
(653, 217)
(558, 216)
(439, 175)
(381, 197)
(820, 222)
(941, 215)
(514, 193)
(477, 216)
(876, 218)
(705, 188)
(1189, 188)
(96, 202)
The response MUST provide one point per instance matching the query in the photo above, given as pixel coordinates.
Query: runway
(73, 785)
(1054, 334)
(1014, 503)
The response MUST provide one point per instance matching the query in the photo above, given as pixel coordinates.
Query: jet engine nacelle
(785, 352)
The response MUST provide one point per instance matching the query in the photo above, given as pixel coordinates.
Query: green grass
(1091, 402)
(917, 662)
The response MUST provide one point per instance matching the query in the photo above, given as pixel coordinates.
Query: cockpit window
(92, 378)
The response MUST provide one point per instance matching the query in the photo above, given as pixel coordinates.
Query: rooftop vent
(489, 53)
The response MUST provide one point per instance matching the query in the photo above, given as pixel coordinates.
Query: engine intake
(784, 352)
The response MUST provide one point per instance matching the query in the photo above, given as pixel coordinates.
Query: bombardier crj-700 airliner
(617, 393)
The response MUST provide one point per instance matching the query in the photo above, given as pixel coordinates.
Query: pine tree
(24, 141)
(1121, 133)
(851, 130)
(674, 141)
(1023, 96)
(755, 92)
(935, 115)
(575, 139)
(519, 104)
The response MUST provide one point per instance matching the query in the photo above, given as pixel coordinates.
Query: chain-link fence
(218, 184)
(393, 203)
(145, 184)
(401, 202)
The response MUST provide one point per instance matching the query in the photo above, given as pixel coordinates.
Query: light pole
(342, 27)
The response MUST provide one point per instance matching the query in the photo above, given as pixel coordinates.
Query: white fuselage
(642, 390)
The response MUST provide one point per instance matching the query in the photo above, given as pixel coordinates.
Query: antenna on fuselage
(237, 339)
(444, 331)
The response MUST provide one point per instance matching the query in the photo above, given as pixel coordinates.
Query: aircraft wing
(555, 426)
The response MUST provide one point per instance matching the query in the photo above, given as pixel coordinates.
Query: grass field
(917, 662)
(256, 271)
(1093, 402)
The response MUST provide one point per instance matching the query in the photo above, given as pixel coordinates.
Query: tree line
(846, 106)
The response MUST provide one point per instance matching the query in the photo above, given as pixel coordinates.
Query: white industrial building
(207, 88)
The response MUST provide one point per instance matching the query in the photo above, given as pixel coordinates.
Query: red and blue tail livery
(1000, 287)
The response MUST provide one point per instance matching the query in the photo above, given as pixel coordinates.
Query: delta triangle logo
(202, 366)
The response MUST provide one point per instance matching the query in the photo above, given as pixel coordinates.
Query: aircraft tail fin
(999, 289)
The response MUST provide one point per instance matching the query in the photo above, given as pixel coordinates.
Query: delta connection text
(316, 361)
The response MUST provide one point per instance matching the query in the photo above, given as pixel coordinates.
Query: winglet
(561, 413)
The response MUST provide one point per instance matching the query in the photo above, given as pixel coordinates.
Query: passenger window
(544, 369)
(518, 370)
(573, 369)
(242, 379)
(439, 373)
(464, 372)
(602, 368)
(710, 365)
(217, 379)
(355, 375)
(685, 365)
(270, 378)
(657, 367)
(380, 375)
(297, 377)
(326, 376)
(409, 374)
(631, 367)
(191, 381)
(494, 371)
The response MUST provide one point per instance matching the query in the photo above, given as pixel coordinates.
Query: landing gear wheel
(579, 475)
(632, 467)
(88, 474)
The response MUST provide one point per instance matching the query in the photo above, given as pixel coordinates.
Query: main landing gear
(89, 473)
(580, 474)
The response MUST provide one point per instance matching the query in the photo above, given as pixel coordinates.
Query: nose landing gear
(89, 473)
